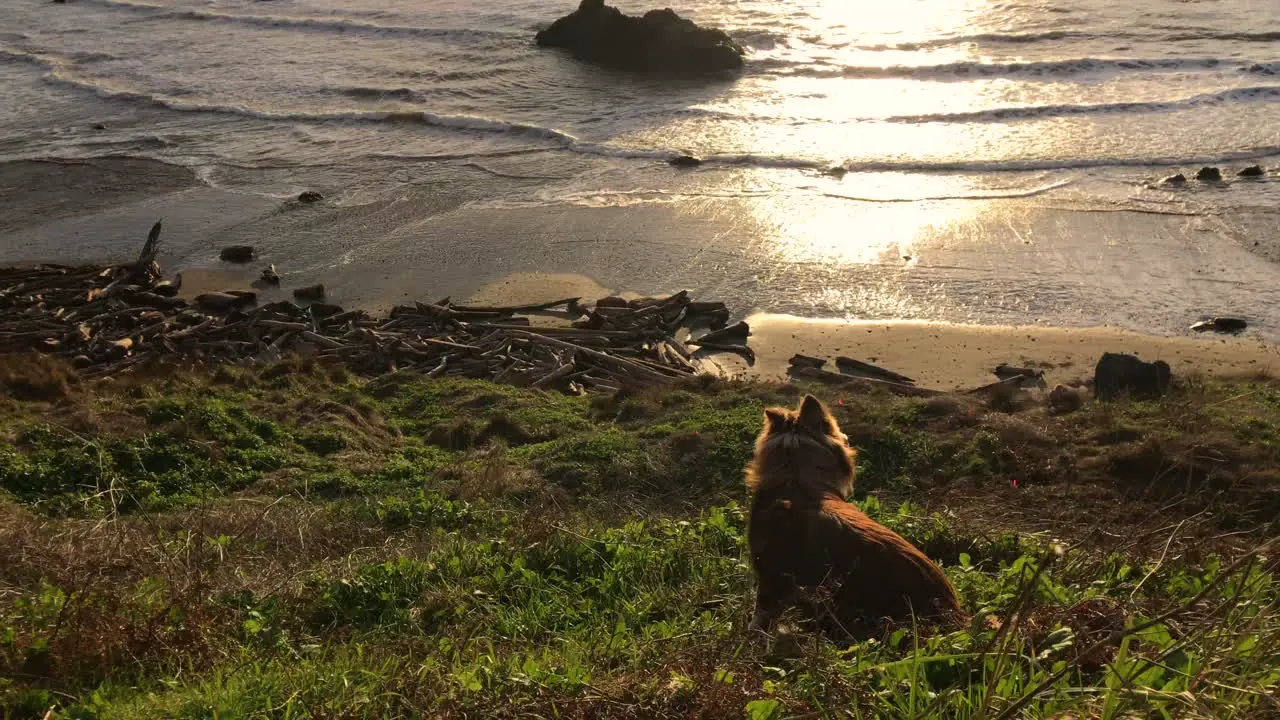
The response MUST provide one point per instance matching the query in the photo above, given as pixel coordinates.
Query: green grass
(292, 542)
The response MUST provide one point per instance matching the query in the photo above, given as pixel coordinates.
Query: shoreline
(967, 293)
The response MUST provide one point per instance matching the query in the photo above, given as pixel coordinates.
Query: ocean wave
(760, 39)
(990, 39)
(320, 24)
(968, 70)
(1265, 36)
(1047, 164)
(60, 71)
(1007, 194)
(374, 93)
(1267, 93)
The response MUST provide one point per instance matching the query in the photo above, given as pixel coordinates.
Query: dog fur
(812, 548)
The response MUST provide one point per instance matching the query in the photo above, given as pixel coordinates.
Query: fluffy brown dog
(812, 548)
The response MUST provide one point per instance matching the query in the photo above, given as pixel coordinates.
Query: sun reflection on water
(864, 230)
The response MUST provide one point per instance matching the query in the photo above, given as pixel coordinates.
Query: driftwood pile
(107, 320)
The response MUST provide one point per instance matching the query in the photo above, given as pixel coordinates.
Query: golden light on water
(856, 232)
(890, 217)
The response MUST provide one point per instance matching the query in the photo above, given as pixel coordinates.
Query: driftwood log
(112, 319)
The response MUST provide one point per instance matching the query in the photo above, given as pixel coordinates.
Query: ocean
(999, 160)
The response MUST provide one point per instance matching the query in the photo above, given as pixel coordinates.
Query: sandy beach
(948, 356)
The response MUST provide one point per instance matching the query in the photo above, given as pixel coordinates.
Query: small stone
(310, 292)
(99, 126)
(1252, 171)
(836, 171)
(81, 362)
(238, 254)
(684, 161)
(310, 196)
(166, 288)
(1178, 179)
(269, 275)
(1221, 325)
(1209, 174)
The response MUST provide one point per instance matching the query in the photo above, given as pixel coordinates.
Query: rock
(837, 171)
(222, 302)
(1063, 400)
(238, 254)
(1221, 325)
(81, 362)
(166, 288)
(310, 292)
(1117, 374)
(1178, 179)
(1209, 174)
(613, 301)
(310, 196)
(684, 161)
(1252, 171)
(99, 126)
(269, 275)
(660, 41)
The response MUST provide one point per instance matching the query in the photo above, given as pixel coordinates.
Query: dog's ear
(814, 416)
(774, 419)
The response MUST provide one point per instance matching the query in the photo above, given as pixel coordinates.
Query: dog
(812, 548)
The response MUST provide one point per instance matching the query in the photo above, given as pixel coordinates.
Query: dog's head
(802, 446)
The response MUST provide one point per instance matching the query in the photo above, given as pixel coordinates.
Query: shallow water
(964, 125)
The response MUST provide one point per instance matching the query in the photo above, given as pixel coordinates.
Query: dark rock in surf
(1221, 325)
(1178, 179)
(1117, 374)
(238, 254)
(269, 275)
(99, 126)
(1209, 174)
(310, 196)
(1252, 171)
(660, 41)
(684, 161)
